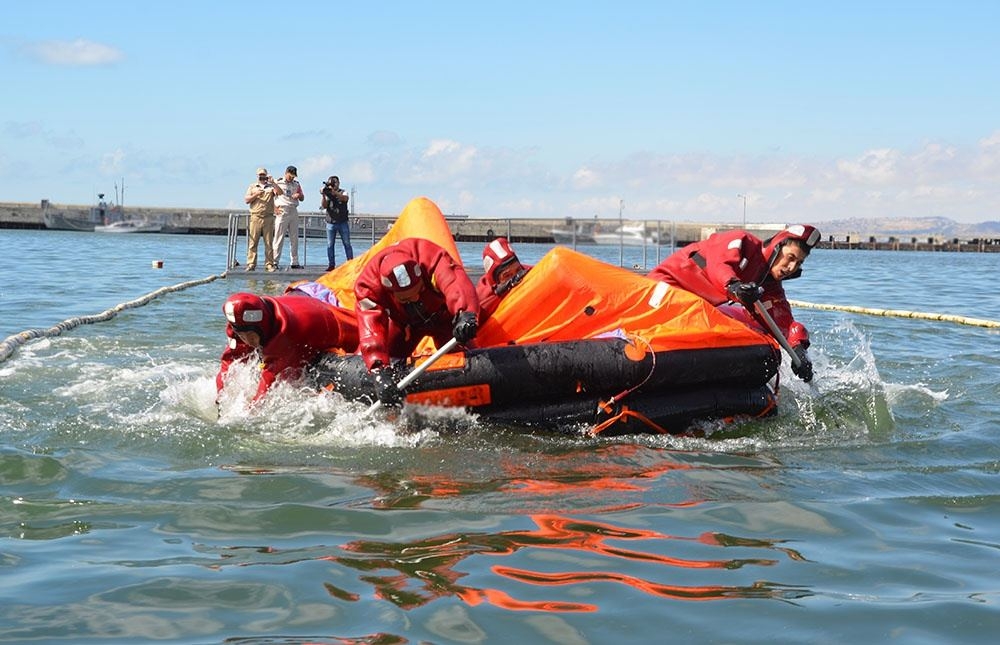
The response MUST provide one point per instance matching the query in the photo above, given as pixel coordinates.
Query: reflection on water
(590, 545)
(426, 569)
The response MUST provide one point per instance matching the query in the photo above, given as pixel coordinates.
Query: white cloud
(442, 147)
(825, 195)
(76, 53)
(585, 178)
(707, 203)
(35, 130)
(935, 154)
(442, 161)
(873, 167)
(986, 161)
(360, 172)
(600, 206)
(23, 129)
(384, 138)
(111, 162)
(319, 166)
(466, 199)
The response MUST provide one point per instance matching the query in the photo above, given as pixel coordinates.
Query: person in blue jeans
(337, 220)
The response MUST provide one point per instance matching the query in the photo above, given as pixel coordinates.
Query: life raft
(577, 342)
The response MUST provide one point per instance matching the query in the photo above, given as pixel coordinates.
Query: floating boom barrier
(898, 313)
(11, 343)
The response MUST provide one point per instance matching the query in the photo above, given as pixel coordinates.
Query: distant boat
(129, 226)
(100, 214)
(579, 234)
(628, 235)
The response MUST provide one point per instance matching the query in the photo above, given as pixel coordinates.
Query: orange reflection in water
(598, 479)
(426, 568)
(606, 481)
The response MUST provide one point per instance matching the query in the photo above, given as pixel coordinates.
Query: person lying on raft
(285, 332)
(502, 272)
(735, 266)
(409, 290)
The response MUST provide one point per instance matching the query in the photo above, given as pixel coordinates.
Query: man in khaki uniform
(260, 196)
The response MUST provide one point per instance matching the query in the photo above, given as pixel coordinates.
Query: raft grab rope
(11, 343)
(896, 313)
(607, 407)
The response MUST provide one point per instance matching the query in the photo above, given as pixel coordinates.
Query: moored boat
(100, 214)
(572, 236)
(129, 226)
(627, 235)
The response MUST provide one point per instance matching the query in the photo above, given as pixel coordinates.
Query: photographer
(337, 220)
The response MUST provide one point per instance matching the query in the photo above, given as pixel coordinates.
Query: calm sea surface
(866, 511)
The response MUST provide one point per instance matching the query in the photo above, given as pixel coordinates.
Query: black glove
(465, 327)
(745, 292)
(385, 386)
(804, 370)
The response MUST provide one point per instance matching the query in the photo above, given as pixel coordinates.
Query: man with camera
(260, 196)
(337, 220)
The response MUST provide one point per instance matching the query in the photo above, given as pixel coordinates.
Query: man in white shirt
(286, 208)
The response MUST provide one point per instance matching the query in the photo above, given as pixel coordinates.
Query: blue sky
(513, 109)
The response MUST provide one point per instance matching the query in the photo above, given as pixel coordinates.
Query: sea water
(131, 510)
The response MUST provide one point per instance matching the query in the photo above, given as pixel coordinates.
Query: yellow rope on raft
(896, 313)
(11, 343)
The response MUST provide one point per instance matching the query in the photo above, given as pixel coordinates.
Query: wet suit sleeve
(453, 283)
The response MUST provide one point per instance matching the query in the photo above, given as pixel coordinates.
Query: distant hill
(907, 227)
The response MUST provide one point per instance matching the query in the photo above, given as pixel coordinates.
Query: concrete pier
(204, 221)
(466, 229)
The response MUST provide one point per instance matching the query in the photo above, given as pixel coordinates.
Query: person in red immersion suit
(409, 290)
(287, 332)
(735, 266)
(502, 272)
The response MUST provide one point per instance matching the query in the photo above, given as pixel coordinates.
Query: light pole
(744, 197)
(621, 233)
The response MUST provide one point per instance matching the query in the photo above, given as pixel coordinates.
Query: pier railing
(639, 244)
(312, 227)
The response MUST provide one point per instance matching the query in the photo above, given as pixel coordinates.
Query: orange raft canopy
(581, 342)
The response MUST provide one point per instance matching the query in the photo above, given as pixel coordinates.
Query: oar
(409, 378)
(778, 336)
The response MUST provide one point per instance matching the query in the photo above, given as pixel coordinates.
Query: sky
(707, 111)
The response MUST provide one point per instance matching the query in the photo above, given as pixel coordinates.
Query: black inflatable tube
(673, 412)
(560, 380)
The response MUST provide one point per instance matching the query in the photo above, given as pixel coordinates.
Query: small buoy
(157, 264)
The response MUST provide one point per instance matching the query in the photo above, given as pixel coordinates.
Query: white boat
(99, 215)
(627, 235)
(129, 226)
(579, 234)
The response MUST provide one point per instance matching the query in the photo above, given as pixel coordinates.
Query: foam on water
(291, 413)
(127, 382)
(171, 390)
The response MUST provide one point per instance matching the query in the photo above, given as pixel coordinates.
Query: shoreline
(14, 215)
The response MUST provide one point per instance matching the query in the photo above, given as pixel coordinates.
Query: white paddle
(409, 378)
(778, 336)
